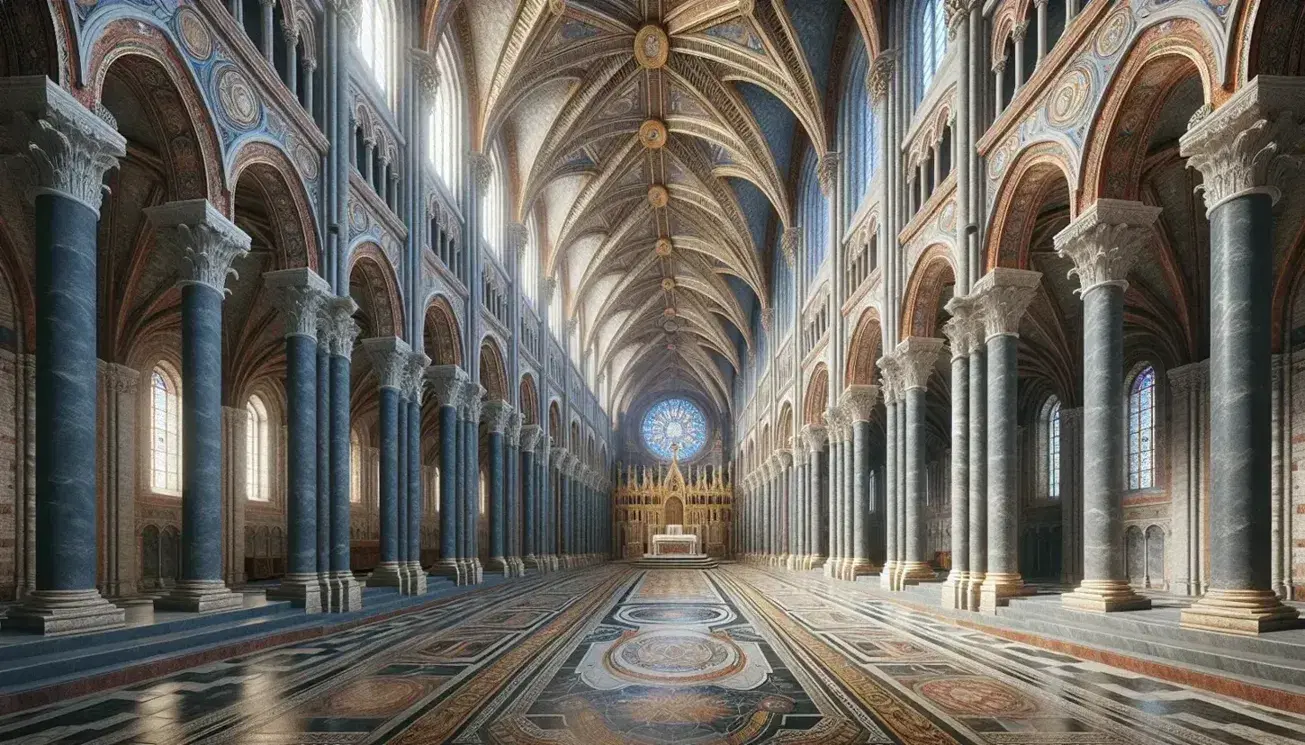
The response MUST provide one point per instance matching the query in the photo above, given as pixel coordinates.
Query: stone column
(497, 414)
(1246, 150)
(1071, 497)
(1104, 243)
(784, 469)
(346, 592)
(892, 559)
(815, 437)
(512, 510)
(401, 506)
(978, 481)
(834, 566)
(1000, 299)
(474, 403)
(1188, 429)
(300, 294)
(390, 359)
(858, 402)
(544, 486)
(797, 512)
(325, 329)
(916, 358)
(68, 149)
(267, 44)
(448, 383)
(848, 532)
(120, 401)
(417, 365)
(206, 244)
(530, 436)
(960, 333)
(561, 462)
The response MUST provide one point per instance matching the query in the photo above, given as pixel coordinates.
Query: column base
(498, 565)
(814, 561)
(302, 590)
(450, 569)
(58, 612)
(1247, 612)
(388, 574)
(416, 578)
(888, 575)
(476, 571)
(954, 596)
(200, 596)
(324, 589)
(972, 590)
(517, 567)
(532, 562)
(914, 572)
(857, 567)
(346, 592)
(997, 590)
(1105, 596)
(832, 565)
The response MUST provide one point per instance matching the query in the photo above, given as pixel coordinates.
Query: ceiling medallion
(663, 246)
(670, 347)
(670, 313)
(658, 196)
(651, 47)
(653, 134)
(668, 284)
(670, 327)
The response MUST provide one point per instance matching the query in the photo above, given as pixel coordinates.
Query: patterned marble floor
(615, 655)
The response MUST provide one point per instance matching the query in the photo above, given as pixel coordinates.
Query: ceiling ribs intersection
(652, 118)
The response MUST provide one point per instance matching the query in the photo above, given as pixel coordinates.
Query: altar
(675, 542)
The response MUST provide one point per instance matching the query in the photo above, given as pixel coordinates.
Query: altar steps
(676, 562)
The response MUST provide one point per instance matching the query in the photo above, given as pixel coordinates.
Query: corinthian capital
(447, 383)
(788, 244)
(859, 401)
(827, 172)
(428, 74)
(880, 76)
(203, 240)
(497, 415)
(815, 437)
(962, 328)
(1002, 296)
(415, 381)
(483, 170)
(299, 294)
(1106, 240)
(390, 358)
(1250, 144)
(67, 147)
(916, 358)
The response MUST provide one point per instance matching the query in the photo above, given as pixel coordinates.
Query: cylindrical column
(471, 497)
(346, 592)
(390, 359)
(267, 45)
(497, 414)
(447, 384)
(978, 481)
(416, 495)
(889, 570)
(959, 330)
(324, 462)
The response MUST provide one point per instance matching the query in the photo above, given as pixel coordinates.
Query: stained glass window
(931, 44)
(1141, 430)
(257, 452)
(675, 427)
(165, 431)
(1053, 449)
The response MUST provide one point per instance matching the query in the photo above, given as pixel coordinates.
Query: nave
(611, 654)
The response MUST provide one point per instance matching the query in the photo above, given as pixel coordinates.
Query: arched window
(258, 452)
(783, 297)
(445, 132)
(931, 43)
(528, 263)
(165, 430)
(813, 217)
(1141, 430)
(1051, 438)
(858, 131)
(355, 469)
(375, 39)
(491, 208)
(555, 319)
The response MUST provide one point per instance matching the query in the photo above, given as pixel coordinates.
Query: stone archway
(673, 512)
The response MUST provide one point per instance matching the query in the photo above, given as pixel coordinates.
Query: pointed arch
(441, 335)
(493, 373)
(528, 400)
(374, 286)
(925, 292)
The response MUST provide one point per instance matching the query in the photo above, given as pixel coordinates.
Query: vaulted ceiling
(652, 140)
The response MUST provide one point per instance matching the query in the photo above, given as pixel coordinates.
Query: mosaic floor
(615, 655)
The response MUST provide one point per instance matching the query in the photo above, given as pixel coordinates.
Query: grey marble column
(544, 485)
(67, 150)
(816, 437)
(1000, 299)
(960, 335)
(474, 403)
(401, 506)
(1104, 243)
(415, 382)
(300, 294)
(557, 503)
(448, 384)
(346, 592)
(1071, 495)
(797, 535)
(205, 243)
(497, 414)
(1189, 432)
(978, 486)
(324, 331)
(390, 360)
(1246, 150)
(916, 359)
(833, 486)
(858, 403)
(892, 560)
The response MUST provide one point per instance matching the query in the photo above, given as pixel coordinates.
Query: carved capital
(1106, 240)
(531, 435)
(482, 168)
(859, 401)
(880, 77)
(956, 13)
(428, 74)
(67, 147)
(827, 172)
(815, 437)
(415, 377)
(337, 327)
(1019, 30)
(299, 294)
(785, 458)
(549, 287)
(350, 13)
(497, 415)
(473, 401)
(1252, 143)
(889, 377)
(961, 329)
(916, 358)
(447, 382)
(201, 238)
(788, 244)
(1002, 296)
(518, 235)
(390, 358)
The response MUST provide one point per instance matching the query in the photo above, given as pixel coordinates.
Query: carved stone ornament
(880, 76)
(299, 293)
(668, 284)
(956, 12)
(658, 196)
(1018, 31)
(653, 134)
(203, 240)
(530, 437)
(859, 401)
(512, 435)
(518, 235)
(815, 437)
(1106, 240)
(342, 329)
(889, 377)
(916, 358)
(1250, 144)
(549, 287)
(788, 244)
(390, 358)
(428, 73)
(416, 380)
(482, 168)
(827, 172)
(960, 328)
(497, 414)
(473, 401)
(68, 147)
(651, 47)
(767, 318)
(1002, 296)
(350, 13)
(663, 247)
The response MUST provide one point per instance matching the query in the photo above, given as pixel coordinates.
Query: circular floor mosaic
(674, 657)
(693, 615)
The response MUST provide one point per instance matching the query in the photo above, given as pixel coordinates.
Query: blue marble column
(1000, 298)
(68, 149)
(206, 244)
(1246, 150)
(300, 294)
(401, 506)
(546, 509)
(530, 435)
(448, 382)
(512, 544)
(475, 402)
(324, 331)
(346, 592)
(1104, 243)
(390, 360)
(417, 364)
(496, 416)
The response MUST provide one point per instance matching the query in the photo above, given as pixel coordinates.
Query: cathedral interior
(652, 371)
